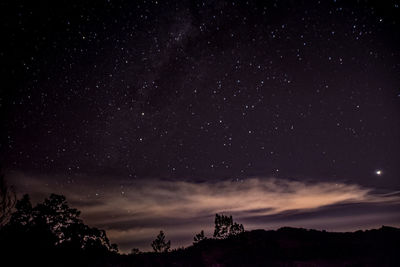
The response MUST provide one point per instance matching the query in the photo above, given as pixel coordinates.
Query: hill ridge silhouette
(286, 246)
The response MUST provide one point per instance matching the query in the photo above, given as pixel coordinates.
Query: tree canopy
(53, 224)
(160, 244)
(225, 227)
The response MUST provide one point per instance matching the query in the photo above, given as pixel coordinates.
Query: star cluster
(201, 90)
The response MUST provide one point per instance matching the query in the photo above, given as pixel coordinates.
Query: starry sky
(154, 115)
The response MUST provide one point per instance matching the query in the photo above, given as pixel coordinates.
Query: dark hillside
(284, 247)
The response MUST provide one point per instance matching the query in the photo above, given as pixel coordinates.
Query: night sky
(153, 115)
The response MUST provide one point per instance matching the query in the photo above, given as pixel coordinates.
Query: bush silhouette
(135, 251)
(200, 236)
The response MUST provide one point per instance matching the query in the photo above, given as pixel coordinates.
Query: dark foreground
(284, 247)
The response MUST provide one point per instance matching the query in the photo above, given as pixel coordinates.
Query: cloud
(133, 212)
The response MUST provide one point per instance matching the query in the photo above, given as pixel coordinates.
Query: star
(378, 172)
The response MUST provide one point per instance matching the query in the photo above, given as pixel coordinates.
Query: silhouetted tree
(159, 244)
(236, 229)
(23, 216)
(200, 236)
(25, 238)
(225, 227)
(60, 218)
(7, 200)
(59, 223)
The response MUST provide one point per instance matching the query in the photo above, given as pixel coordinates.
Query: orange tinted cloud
(138, 210)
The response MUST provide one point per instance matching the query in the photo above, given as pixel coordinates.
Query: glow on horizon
(182, 208)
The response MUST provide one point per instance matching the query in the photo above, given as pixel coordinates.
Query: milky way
(111, 94)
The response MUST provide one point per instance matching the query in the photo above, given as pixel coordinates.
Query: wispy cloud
(133, 212)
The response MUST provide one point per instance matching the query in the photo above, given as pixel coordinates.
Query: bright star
(378, 172)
